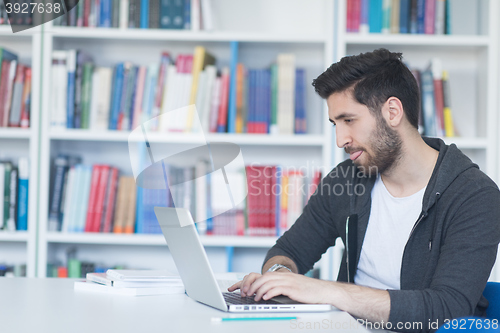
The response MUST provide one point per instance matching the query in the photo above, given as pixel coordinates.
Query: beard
(385, 147)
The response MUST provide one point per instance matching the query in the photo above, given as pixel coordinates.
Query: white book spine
(2, 186)
(124, 4)
(58, 81)
(207, 15)
(195, 15)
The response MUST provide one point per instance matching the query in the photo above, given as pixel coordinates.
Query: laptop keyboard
(236, 299)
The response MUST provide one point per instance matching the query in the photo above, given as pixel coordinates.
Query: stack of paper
(132, 282)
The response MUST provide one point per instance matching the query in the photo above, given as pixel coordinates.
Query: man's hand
(367, 303)
(298, 287)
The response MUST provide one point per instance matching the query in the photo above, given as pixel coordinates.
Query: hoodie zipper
(422, 215)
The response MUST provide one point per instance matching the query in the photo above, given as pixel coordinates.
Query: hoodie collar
(450, 164)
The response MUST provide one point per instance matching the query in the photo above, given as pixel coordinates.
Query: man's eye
(348, 120)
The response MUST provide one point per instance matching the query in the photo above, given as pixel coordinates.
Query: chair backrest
(492, 294)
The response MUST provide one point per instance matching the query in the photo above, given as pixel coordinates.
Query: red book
(222, 118)
(348, 18)
(439, 104)
(165, 61)
(109, 203)
(4, 78)
(188, 64)
(356, 15)
(25, 103)
(253, 187)
(86, 12)
(62, 272)
(101, 193)
(94, 183)
(179, 63)
(274, 190)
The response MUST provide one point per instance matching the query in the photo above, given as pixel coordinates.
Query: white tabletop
(51, 305)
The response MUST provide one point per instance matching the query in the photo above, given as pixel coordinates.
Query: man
(421, 236)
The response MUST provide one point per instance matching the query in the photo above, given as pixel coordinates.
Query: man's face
(371, 144)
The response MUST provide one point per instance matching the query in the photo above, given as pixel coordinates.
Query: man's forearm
(371, 304)
(280, 260)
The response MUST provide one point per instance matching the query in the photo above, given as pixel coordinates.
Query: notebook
(199, 280)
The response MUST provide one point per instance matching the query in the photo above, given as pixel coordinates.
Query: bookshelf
(19, 247)
(472, 63)
(259, 43)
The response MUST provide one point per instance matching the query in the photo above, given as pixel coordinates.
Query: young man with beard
(422, 237)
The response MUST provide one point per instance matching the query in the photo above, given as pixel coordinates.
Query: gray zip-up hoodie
(450, 251)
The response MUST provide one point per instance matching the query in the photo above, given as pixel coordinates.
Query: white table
(51, 305)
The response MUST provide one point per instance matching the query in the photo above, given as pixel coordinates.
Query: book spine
(13, 181)
(124, 14)
(61, 166)
(447, 114)
(177, 13)
(116, 99)
(375, 16)
(165, 14)
(110, 201)
(154, 14)
(430, 16)
(222, 119)
(404, 16)
(86, 95)
(25, 106)
(421, 16)
(100, 198)
(231, 118)
(22, 207)
(144, 23)
(94, 185)
(17, 96)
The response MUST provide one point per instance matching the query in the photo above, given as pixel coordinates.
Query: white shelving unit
(263, 30)
(20, 247)
(472, 63)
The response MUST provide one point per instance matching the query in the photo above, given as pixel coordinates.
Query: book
(103, 278)
(447, 114)
(96, 287)
(22, 199)
(140, 275)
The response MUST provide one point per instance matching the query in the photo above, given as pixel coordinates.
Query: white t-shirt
(389, 227)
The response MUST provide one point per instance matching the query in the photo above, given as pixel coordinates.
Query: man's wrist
(278, 267)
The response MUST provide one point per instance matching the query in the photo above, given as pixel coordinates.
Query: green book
(6, 192)
(74, 268)
(88, 69)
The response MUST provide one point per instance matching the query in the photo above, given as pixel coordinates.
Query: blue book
(144, 14)
(421, 16)
(105, 16)
(187, 15)
(413, 16)
(139, 211)
(363, 19)
(300, 107)
(83, 202)
(267, 100)
(375, 16)
(70, 99)
(231, 116)
(404, 16)
(22, 195)
(165, 14)
(116, 96)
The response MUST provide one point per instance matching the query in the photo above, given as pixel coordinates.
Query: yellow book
(240, 72)
(449, 129)
(201, 58)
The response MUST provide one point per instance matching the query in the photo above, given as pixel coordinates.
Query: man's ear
(394, 112)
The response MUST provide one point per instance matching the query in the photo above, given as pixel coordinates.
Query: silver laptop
(194, 269)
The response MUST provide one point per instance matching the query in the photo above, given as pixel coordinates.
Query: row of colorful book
(15, 91)
(233, 99)
(18, 270)
(75, 268)
(14, 183)
(412, 16)
(143, 14)
(96, 199)
(436, 117)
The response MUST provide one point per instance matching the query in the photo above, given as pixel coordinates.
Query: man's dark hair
(373, 77)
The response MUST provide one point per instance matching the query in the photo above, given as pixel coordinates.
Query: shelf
(417, 40)
(14, 133)
(243, 139)
(155, 239)
(180, 35)
(6, 31)
(18, 236)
